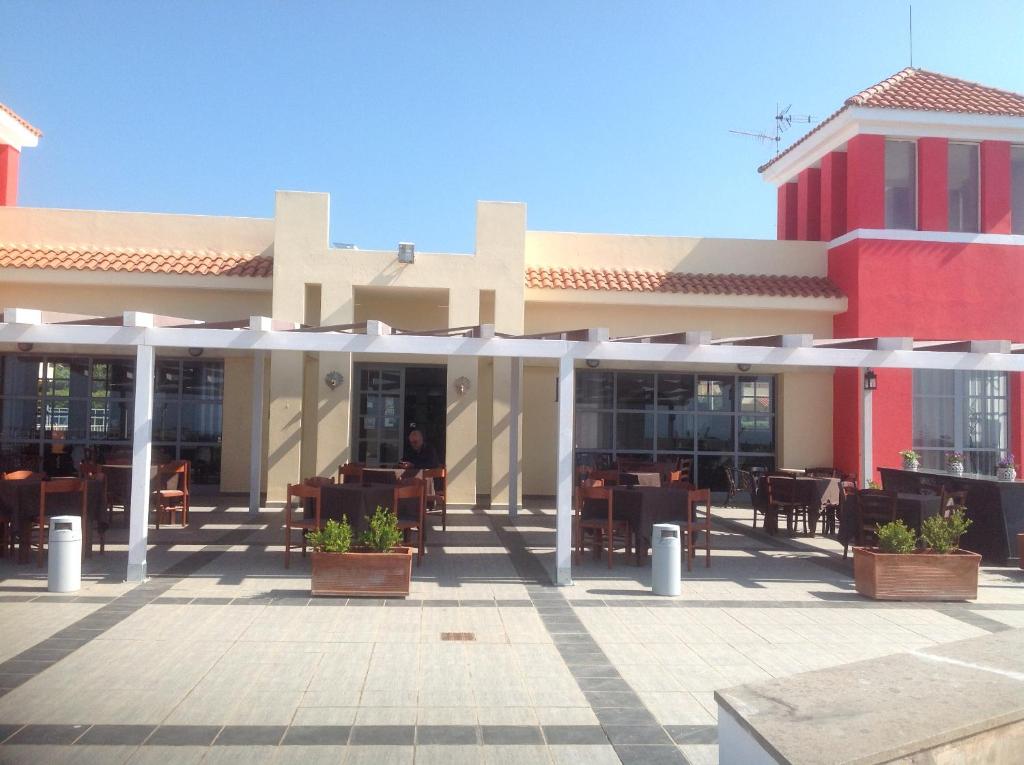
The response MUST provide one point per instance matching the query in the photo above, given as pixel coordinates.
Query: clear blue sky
(601, 116)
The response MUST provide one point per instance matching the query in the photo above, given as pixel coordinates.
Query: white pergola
(146, 333)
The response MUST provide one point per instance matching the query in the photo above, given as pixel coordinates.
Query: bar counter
(996, 508)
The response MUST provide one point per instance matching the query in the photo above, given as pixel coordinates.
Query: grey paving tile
(637, 735)
(184, 735)
(250, 735)
(446, 734)
(650, 755)
(476, 603)
(575, 734)
(390, 735)
(366, 602)
(613, 716)
(21, 666)
(403, 603)
(615, 699)
(327, 601)
(602, 684)
(116, 735)
(6, 731)
(47, 734)
(316, 735)
(513, 603)
(439, 603)
(172, 601)
(693, 734)
(592, 669)
(511, 734)
(211, 601)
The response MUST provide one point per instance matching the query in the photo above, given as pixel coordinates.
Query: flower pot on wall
(1006, 473)
(911, 464)
(956, 468)
(363, 574)
(916, 576)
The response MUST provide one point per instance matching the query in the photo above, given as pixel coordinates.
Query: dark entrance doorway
(392, 400)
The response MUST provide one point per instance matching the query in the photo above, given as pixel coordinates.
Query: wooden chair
(62, 486)
(7, 530)
(738, 481)
(606, 477)
(874, 508)
(350, 472)
(785, 496)
(302, 492)
(950, 500)
(412, 488)
(90, 471)
(685, 466)
(439, 502)
(319, 480)
(600, 526)
(695, 498)
(172, 494)
(847, 497)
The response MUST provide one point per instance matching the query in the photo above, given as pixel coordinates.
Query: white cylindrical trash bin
(65, 553)
(665, 559)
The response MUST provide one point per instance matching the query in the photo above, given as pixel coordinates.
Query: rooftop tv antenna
(784, 120)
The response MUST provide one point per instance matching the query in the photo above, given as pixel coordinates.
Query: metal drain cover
(458, 636)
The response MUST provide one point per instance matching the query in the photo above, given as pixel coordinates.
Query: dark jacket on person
(424, 459)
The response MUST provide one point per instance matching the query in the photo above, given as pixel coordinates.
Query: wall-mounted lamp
(333, 379)
(25, 347)
(462, 385)
(870, 380)
(593, 363)
(195, 352)
(406, 252)
(743, 367)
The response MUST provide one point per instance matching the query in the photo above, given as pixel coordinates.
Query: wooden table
(358, 503)
(644, 506)
(19, 501)
(817, 493)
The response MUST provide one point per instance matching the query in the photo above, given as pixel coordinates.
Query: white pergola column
(516, 371)
(867, 469)
(142, 444)
(259, 362)
(564, 474)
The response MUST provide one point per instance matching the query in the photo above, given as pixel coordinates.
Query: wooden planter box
(916, 576)
(360, 573)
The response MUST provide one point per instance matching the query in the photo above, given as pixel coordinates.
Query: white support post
(141, 461)
(866, 438)
(256, 436)
(516, 370)
(564, 482)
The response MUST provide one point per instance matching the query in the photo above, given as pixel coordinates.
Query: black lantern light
(870, 380)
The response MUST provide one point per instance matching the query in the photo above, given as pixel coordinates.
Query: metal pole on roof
(564, 482)
(142, 446)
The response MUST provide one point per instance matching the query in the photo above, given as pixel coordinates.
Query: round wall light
(333, 379)
(593, 363)
(25, 347)
(462, 385)
(743, 367)
(195, 352)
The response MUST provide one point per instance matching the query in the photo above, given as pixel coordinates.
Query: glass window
(1017, 189)
(963, 187)
(595, 390)
(21, 375)
(714, 394)
(634, 390)
(675, 432)
(675, 392)
(961, 411)
(715, 433)
(900, 184)
(594, 430)
(634, 431)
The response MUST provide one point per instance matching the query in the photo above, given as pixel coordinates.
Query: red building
(917, 184)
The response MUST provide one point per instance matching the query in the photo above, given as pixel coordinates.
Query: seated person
(419, 454)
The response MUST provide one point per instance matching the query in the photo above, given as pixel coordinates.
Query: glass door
(379, 434)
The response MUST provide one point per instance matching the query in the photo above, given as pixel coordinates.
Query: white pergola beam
(142, 446)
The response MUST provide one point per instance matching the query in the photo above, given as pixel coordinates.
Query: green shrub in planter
(942, 534)
(383, 533)
(896, 537)
(334, 537)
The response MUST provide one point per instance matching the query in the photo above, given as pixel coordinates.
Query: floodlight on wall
(25, 347)
(333, 379)
(406, 252)
(195, 352)
(870, 380)
(462, 385)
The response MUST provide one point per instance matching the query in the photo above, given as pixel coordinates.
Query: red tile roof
(8, 110)
(135, 259)
(921, 90)
(617, 280)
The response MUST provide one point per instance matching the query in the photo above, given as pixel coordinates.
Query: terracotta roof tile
(8, 110)
(135, 259)
(695, 284)
(922, 90)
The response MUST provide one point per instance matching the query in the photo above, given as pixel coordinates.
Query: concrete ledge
(962, 700)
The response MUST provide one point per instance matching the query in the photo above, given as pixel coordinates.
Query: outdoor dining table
(644, 506)
(818, 493)
(358, 503)
(912, 509)
(400, 474)
(19, 501)
(119, 483)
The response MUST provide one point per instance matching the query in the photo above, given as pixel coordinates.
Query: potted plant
(911, 459)
(898, 570)
(1006, 469)
(376, 568)
(955, 463)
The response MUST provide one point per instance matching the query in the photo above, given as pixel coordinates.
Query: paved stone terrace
(223, 656)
